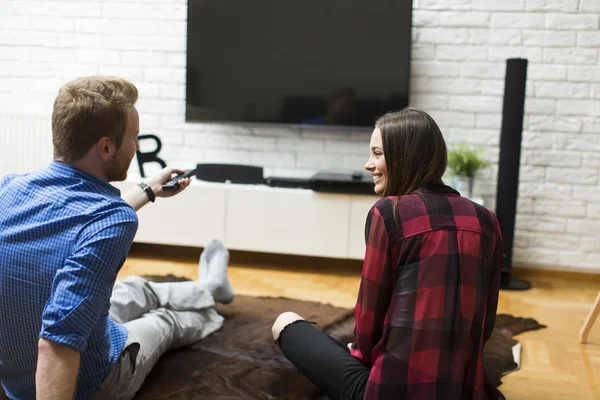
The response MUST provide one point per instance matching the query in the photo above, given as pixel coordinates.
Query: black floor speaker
(508, 167)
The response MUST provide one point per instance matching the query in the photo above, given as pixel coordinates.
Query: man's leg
(161, 330)
(149, 338)
(134, 296)
(164, 316)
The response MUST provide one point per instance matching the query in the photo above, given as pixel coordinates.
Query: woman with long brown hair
(429, 289)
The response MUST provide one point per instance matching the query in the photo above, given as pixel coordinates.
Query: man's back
(64, 234)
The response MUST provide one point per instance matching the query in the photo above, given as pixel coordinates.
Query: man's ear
(106, 148)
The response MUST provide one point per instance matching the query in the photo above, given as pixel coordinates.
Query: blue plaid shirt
(64, 235)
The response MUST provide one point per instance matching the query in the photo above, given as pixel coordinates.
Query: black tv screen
(299, 62)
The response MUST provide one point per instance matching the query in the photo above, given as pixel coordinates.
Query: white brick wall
(457, 75)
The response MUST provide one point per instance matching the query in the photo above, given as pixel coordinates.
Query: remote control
(173, 183)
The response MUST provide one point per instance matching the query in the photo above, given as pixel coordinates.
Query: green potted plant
(463, 163)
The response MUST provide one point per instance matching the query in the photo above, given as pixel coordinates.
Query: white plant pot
(464, 185)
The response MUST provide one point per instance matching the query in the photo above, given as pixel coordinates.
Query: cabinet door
(189, 219)
(291, 221)
(359, 208)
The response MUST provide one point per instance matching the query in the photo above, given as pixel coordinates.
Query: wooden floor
(554, 364)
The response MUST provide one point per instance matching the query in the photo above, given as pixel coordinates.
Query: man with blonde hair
(68, 331)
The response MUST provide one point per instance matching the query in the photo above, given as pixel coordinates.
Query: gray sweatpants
(158, 317)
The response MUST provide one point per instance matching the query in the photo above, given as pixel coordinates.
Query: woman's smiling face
(376, 163)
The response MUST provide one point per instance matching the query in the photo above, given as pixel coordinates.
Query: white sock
(216, 279)
(211, 248)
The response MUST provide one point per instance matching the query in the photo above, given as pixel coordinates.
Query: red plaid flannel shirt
(428, 297)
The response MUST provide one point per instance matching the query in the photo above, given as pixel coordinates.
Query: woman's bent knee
(282, 321)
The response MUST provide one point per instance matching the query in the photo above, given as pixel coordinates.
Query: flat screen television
(313, 63)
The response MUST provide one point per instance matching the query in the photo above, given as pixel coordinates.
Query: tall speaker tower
(509, 163)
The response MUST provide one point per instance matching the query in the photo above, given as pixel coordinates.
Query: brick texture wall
(458, 68)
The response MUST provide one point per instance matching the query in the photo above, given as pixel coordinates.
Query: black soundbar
(232, 173)
(327, 182)
(287, 182)
(349, 183)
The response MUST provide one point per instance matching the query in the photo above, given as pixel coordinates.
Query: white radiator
(25, 143)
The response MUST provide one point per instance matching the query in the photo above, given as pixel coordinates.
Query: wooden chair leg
(589, 321)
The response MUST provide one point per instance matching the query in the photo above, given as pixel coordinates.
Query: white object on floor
(516, 350)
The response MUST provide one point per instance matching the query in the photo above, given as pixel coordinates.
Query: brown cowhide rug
(241, 362)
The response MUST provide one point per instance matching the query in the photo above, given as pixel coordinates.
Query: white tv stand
(258, 218)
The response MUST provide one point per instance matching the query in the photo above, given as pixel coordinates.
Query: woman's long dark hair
(415, 151)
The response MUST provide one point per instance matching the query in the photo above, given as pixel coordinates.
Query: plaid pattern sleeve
(375, 289)
(428, 297)
(494, 289)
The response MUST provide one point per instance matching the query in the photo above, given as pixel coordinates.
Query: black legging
(325, 361)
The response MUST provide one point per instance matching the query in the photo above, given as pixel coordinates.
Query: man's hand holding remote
(157, 181)
(138, 197)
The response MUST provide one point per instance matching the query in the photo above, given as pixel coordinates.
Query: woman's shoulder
(387, 204)
(420, 204)
(397, 209)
